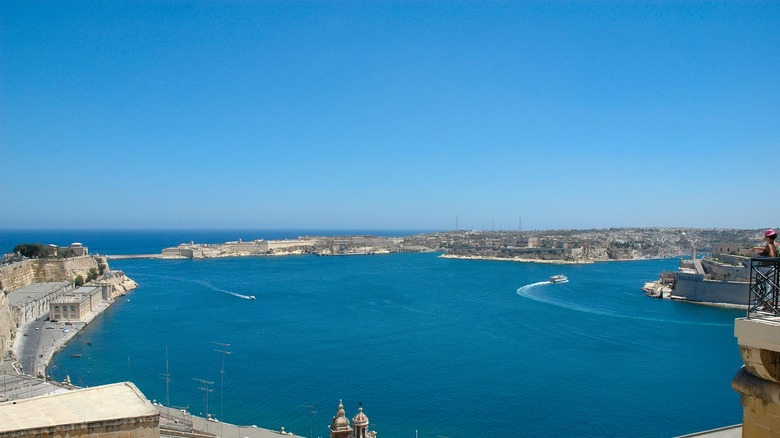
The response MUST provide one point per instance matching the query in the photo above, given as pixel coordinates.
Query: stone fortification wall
(708, 291)
(727, 267)
(7, 326)
(121, 428)
(17, 275)
(117, 283)
(238, 249)
(68, 269)
(21, 274)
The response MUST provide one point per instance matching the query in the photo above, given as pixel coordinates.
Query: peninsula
(556, 246)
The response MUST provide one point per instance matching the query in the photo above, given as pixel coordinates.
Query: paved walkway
(16, 385)
(39, 340)
(177, 419)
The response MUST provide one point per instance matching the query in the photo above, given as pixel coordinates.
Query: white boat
(558, 279)
(250, 297)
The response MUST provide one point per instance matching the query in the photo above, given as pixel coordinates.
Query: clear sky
(399, 115)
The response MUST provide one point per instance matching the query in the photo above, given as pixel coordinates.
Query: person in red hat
(771, 249)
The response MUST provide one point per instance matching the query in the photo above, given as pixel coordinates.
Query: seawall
(712, 291)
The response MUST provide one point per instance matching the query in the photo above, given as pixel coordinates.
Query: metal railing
(764, 287)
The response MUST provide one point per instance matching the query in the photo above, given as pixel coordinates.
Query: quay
(41, 339)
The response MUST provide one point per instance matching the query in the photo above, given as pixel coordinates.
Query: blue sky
(399, 115)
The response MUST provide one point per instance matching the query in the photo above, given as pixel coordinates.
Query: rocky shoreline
(517, 259)
(550, 262)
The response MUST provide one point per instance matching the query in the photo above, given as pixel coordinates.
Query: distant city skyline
(389, 115)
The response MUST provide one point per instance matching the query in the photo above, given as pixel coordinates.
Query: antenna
(204, 386)
(312, 413)
(222, 376)
(167, 377)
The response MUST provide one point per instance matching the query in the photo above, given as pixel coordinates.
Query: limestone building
(33, 301)
(77, 249)
(119, 410)
(73, 306)
(340, 428)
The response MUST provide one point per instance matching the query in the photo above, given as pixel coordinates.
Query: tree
(78, 281)
(65, 253)
(31, 250)
(92, 275)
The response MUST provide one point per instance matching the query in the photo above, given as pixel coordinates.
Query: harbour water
(444, 347)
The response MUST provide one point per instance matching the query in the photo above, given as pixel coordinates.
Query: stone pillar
(758, 382)
(360, 424)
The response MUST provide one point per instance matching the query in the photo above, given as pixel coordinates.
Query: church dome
(340, 421)
(360, 419)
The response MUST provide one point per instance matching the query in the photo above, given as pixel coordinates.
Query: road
(40, 339)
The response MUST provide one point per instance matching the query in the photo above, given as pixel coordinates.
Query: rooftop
(100, 403)
(34, 292)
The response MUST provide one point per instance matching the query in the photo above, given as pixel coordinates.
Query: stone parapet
(147, 427)
(759, 345)
(761, 404)
(118, 410)
(758, 382)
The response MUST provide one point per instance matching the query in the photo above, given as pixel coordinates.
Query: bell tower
(339, 426)
(360, 423)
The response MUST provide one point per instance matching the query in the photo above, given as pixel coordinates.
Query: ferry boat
(558, 279)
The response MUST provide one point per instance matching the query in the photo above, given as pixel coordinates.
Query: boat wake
(246, 297)
(205, 284)
(235, 294)
(534, 291)
(531, 286)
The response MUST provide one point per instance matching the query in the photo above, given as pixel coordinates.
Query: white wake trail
(533, 292)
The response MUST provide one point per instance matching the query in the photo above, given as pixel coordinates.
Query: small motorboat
(558, 279)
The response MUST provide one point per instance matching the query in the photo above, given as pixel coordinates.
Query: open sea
(433, 346)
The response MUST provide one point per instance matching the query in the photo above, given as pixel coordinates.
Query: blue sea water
(444, 347)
